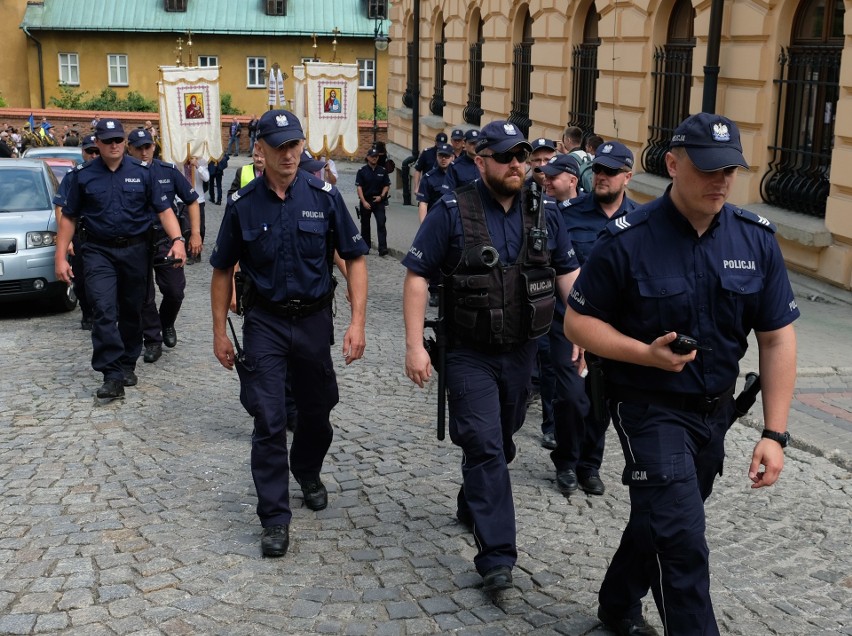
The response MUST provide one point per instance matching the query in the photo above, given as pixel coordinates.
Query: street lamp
(381, 42)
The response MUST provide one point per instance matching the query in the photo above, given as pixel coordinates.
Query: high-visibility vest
(246, 175)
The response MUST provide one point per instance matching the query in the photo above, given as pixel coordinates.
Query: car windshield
(23, 190)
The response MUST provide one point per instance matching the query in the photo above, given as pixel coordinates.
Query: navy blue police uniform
(462, 170)
(580, 434)
(487, 388)
(285, 248)
(428, 159)
(170, 280)
(649, 274)
(373, 182)
(431, 187)
(116, 208)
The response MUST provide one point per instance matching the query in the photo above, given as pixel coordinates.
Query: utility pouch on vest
(539, 285)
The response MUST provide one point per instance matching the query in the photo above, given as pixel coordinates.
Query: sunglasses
(610, 172)
(506, 157)
(113, 141)
(91, 151)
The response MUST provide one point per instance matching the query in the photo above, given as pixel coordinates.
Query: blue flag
(32, 123)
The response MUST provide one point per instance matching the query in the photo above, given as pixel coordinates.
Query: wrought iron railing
(437, 103)
(672, 77)
(473, 111)
(411, 60)
(584, 68)
(808, 90)
(522, 69)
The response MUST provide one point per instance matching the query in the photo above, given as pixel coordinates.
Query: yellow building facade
(91, 57)
(630, 71)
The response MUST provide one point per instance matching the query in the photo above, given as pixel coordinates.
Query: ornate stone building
(631, 71)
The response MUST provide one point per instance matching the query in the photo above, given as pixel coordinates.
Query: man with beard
(580, 443)
(500, 261)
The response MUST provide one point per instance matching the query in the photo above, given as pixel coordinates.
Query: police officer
(432, 184)
(688, 264)
(283, 229)
(463, 168)
(372, 183)
(158, 326)
(427, 160)
(114, 194)
(457, 142)
(570, 404)
(216, 169)
(581, 445)
(495, 253)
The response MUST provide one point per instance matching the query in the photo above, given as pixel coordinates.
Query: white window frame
(366, 73)
(254, 66)
(209, 60)
(116, 63)
(69, 69)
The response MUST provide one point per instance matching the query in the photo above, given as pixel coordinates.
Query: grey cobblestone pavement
(138, 517)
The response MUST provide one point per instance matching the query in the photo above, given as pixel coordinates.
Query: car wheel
(64, 298)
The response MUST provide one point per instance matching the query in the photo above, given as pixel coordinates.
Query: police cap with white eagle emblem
(500, 136)
(712, 142)
(109, 129)
(278, 127)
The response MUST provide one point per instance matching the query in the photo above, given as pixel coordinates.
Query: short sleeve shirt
(282, 244)
(650, 273)
(440, 239)
(115, 204)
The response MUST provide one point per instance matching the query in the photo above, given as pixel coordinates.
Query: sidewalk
(821, 417)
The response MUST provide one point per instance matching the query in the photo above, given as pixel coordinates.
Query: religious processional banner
(329, 106)
(190, 114)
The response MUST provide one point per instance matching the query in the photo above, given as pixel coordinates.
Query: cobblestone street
(138, 517)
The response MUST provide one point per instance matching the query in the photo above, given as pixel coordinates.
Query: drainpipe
(40, 63)
(711, 68)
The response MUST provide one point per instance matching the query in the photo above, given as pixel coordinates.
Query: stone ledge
(805, 230)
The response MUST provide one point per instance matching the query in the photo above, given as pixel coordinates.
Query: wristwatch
(781, 438)
(178, 238)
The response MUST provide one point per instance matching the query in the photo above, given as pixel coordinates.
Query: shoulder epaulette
(167, 164)
(629, 220)
(136, 161)
(244, 190)
(80, 166)
(319, 184)
(762, 221)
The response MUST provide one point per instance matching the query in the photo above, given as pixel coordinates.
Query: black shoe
(275, 540)
(169, 336)
(499, 578)
(548, 441)
(566, 481)
(86, 324)
(383, 252)
(592, 484)
(626, 626)
(153, 352)
(130, 379)
(110, 390)
(314, 492)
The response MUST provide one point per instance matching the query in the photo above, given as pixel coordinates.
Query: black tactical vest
(494, 306)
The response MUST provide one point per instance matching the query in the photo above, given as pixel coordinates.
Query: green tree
(227, 107)
(71, 98)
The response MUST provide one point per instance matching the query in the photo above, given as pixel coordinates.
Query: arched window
(522, 69)
(473, 111)
(584, 68)
(808, 89)
(672, 77)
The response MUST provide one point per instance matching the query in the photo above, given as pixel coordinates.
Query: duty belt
(118, 241)
(693, 402)
(295, 308)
